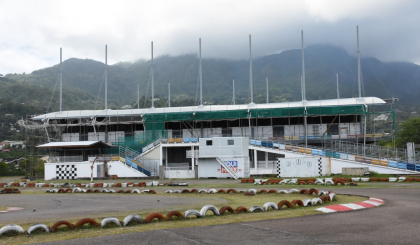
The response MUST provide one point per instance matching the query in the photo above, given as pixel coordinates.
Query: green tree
(4, 169)
(409, 132)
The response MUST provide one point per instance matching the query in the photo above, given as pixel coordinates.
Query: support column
(255, 160)
(266, 160)
(192, 157)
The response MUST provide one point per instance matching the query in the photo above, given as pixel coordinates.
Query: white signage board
(299, 167)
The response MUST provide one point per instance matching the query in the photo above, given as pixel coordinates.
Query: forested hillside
(83, 80)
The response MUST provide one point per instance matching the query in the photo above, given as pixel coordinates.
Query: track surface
(396, 222)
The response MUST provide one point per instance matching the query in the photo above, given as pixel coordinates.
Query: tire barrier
(316, 201)
(249, 193)
(328, 181)
(339, 181)
(11, 229)
(231, 191)
(131, 219)
(319, 181)
(177, 191)
(153, 216)
(282, 191)
(202, 191)
(304, 191)
(135, 191)
(212, 191)
(285, 202)
(185, 191)
(119, 191)
(108, 220)
(61, 190)
(168, 191)
(152, 192)
(297, 202)
(293, 191)
(306, 202)
(254, 209)
(60, 223)
(325, 198)
(207, 207)
(262, 191)
(223, 209)
(194, 191)
(313, 190)
(96, 191)
(84, 221)
(269, 205)
(332, 196)
(77, 189)
(271, 191)
(241, 209)
(221, 191)
(323, 193)
(253, 191)
(174, 213)
(190, 212)
(38, 227)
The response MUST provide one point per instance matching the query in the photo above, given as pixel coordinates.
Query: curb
(372, 202)
(10, 209)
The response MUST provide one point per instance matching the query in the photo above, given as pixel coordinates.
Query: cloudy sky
(32, 32)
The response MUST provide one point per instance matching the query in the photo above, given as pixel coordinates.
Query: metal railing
(64, 159)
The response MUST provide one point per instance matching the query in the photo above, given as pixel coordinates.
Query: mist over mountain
(83, 80)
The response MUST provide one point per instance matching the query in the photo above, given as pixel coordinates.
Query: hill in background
(83, 81)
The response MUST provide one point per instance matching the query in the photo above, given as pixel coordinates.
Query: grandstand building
(198, 141)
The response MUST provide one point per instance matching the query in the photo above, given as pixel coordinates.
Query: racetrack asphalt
(396, 222)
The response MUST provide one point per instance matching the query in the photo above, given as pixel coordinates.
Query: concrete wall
(179, 174)
(210, 168)
(304, 166)
(121, 170)
(221, 148)
(79, 169)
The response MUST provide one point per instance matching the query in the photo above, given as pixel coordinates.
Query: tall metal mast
(153, 80)
(138, 96)
(266, 81)
(201, 72)
(304, 92)
(169, 94)
(106, 77)
(61, 81)
(303, 70)
(338, 88)
(359, 69)
(233, 84)
(250, 72)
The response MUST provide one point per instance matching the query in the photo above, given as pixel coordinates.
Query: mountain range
(83, 80)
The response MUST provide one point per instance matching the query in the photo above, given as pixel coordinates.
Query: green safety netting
(154, 123)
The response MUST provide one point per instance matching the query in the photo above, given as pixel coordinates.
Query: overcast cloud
(32, 32)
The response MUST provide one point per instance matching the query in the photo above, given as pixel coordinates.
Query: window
(231, 142)
(209, 142)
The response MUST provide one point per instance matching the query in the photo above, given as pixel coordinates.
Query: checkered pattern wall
(66, 172)
(320, 166)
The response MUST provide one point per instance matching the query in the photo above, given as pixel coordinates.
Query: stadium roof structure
(207, 112)
(75, 144)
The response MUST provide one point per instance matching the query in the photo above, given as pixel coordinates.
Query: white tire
(207, 207)
(11, 228)
(105, 221)
(37, 227)
(132, 217)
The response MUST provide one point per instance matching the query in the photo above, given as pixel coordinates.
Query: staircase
(135, 160)
(228, 168)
